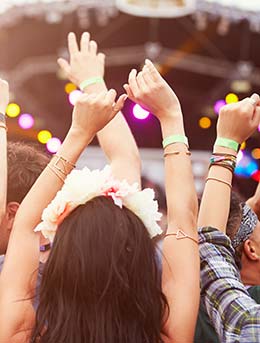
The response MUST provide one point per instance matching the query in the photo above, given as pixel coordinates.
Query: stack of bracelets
(60, 166)
(225, 160)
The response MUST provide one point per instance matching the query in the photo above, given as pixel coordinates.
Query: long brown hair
(101, 283)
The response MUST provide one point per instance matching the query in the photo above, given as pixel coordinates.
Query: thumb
(120, 103)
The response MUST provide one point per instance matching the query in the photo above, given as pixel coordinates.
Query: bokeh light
(26, 121)
(256, 153)
(53, 144)
(140, 113)
(246, 167)
(74, 96)
(70, 87)
(240, 155)
(243, 146)
(13, 110)
(205, 122)
(218, 105)
(231, 98)
(44, 136)
(256, 176)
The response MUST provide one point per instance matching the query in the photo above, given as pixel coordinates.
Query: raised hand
(85, 62)
(92, 112)
(239, 120)
(4, 95)
(150, 90)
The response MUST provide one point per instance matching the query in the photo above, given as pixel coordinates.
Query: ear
(11, 210)
(250, 250)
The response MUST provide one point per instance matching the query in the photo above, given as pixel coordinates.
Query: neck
(250, 274)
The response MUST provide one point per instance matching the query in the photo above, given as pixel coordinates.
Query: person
(243, 230)
(4, 100)
(101, 281)
(235, 316)
(26, 162)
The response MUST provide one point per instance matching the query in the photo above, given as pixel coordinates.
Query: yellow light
(70, 87)
(256, 153)
(243, 146)
(44, 136)
(204, 122)
(13, 110)
(231, 98)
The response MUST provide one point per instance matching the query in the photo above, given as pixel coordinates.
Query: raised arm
(17, 280)
(235, 124)
(4, 99)
(180, 279)
(86, 69)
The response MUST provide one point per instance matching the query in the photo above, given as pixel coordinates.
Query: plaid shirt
(235, 315)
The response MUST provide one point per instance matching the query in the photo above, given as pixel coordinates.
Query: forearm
(3, 172)
(215, 203)
(180, 279)
(119, 146)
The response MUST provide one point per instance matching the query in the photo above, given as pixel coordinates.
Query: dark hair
(101, 283)
(234, 221)
(25, 164)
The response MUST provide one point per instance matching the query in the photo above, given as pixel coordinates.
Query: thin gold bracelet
(219, 180)
(181, 235)
(174, 153)
(55, 172)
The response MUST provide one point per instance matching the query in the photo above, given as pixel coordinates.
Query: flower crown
(83, 185)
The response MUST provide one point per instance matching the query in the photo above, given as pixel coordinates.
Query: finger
(101, 57)
(84, 42)
(254, 99)
(153, 71)
(128, 91)
(64, 65)
(141, 83)
(132, 82)
(146, 76)
(120, 103)
(256, 117)
(111, 96)
(72, 44)
(93, 47)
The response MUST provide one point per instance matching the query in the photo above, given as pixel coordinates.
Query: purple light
(26, 121)
(259, 128)
(74, 96)
(240, 156)
(53, 145)
(218, 105)
(140, 113)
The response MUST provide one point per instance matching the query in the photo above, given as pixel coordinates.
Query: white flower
(83, 185)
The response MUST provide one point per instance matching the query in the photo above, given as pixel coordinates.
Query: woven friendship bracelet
(91, 81)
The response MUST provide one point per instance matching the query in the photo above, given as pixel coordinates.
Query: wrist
(79, 137)
(224, 150)
(172, 126)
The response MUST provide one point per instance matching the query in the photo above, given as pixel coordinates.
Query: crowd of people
(85, 259)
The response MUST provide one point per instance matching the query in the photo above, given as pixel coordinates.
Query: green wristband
(175, 139)
(91, 81)
(227, 143)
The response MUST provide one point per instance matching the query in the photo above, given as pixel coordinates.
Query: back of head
(101, 282)
(235, 215)
(25, 164)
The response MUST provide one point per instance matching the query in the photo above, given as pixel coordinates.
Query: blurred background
(208, 50)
